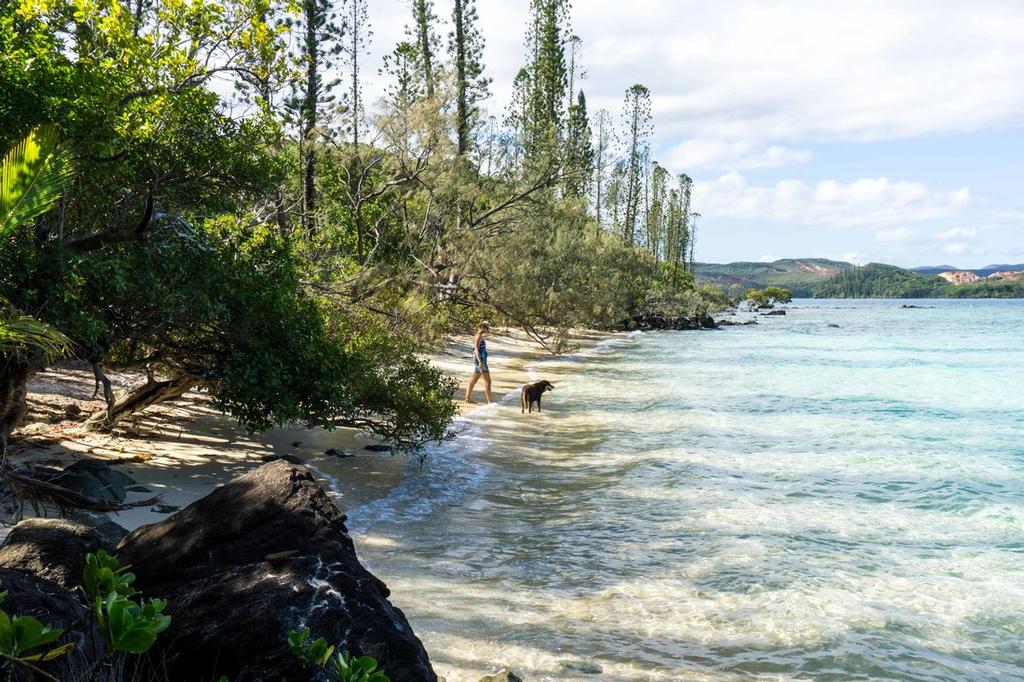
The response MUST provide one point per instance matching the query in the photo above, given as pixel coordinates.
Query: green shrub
(341, 666)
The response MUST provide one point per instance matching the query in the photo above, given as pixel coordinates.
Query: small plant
(317, 652)
(127, 625)
(341, 666)
(351, 669)
(105, 575)
(21, 634)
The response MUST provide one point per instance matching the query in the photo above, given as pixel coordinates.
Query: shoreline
(182, 451)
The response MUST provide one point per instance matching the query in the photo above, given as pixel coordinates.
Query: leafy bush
(127, 625)
(341, 666)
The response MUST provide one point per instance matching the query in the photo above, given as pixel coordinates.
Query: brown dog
(532, 393)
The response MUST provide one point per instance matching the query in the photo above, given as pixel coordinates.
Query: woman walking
(480, 363)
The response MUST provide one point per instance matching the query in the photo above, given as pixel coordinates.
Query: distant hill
(824, 278)
(876, 280)
(980, 272)
(799, 275)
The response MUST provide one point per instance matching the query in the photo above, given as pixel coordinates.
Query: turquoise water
(779, 501)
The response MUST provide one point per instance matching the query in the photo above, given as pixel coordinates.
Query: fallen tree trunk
(139, 398)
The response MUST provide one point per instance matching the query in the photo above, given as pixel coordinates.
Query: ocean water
(781, 501)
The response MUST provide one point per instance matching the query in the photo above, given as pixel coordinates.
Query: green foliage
(32, 178)
(20, 634)
(767, 297)
(127, 625)
(104, 575)
(351, 669)
(316, 652)
(341, 666)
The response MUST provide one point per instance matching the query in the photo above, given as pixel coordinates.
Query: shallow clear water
(779, 501)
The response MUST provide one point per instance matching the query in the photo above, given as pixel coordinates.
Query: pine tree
(548, 79)
(602, 152)
(579, 159)
(322, 33)
(357, 20)
(637, 117)
(425, 42)
(466, 47)
(402, 65)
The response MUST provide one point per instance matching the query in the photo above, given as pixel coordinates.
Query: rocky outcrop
(656, 322)
(958, 277)
(266, 553)
(53, 549)
(1009, 275)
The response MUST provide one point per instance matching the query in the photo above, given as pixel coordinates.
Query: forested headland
(201, 192)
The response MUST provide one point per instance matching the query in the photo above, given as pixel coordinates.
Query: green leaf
(32, 178)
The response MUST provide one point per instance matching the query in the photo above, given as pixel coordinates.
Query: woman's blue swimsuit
(480, 364)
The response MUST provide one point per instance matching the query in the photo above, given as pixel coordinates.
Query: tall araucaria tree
(320, 43)
(545, 41)
(466, 47)
(579, 155)
(424, 39)
(638, 128)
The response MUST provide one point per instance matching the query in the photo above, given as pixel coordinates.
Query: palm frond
(19, 333)
(32, 178)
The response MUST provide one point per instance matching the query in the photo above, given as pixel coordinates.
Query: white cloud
(696, 154)
(762, 74)
(868, 201)
(898, 234)
(957, 233)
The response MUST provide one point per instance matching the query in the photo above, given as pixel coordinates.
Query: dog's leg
(538, 404)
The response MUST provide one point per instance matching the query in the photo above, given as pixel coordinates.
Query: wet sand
(184, 450)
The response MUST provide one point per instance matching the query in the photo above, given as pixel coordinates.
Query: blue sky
(870, 131)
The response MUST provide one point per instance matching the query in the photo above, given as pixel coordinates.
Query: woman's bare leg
(487, 386)
(472, 382)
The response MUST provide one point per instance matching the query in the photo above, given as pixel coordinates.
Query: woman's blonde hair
(484, 327)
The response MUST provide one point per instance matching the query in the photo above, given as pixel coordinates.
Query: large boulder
(53, 549)
(55, 606)
(264, 554)
(97, 479)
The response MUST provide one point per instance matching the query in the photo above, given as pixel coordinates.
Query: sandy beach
(183, 450)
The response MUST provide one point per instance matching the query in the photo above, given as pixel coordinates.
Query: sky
(851, 129)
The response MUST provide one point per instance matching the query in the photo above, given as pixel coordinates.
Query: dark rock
(54, 549)
(72, 411)
(833, 326)
(774, 312)
(341, 454)
(165, 508)
(232, 609)
(138, 489)
(297, 444)
(55, 606)
(503, 676)
(95, 478)
(734, 323)
(377, 447)
(659, 322)
(291, 459)
(112, 532)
